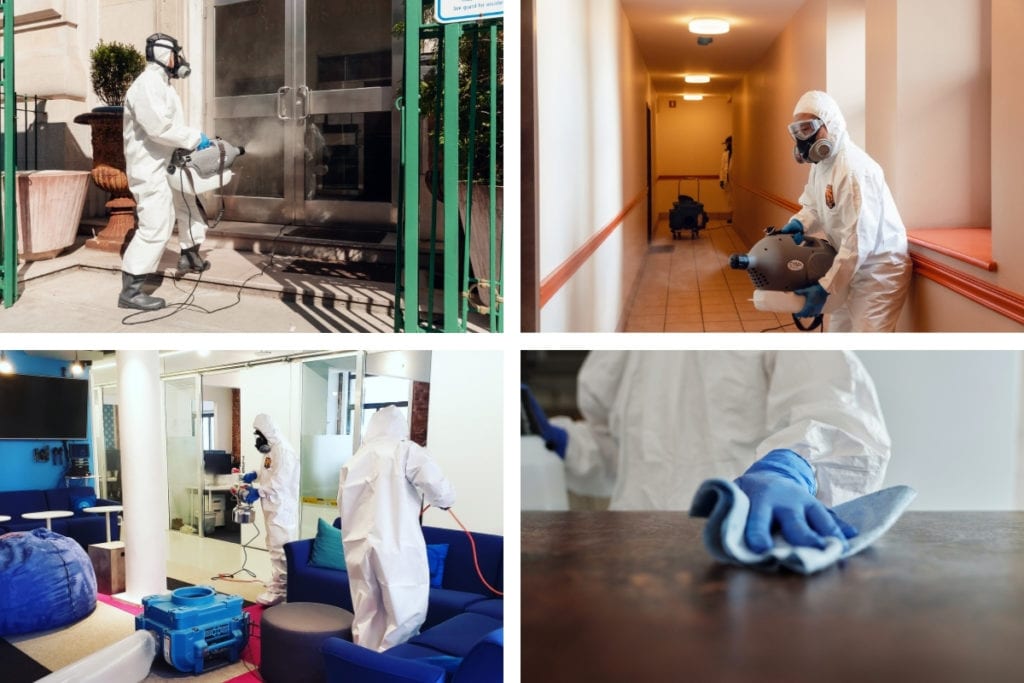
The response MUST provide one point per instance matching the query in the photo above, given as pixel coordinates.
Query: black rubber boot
(191, 261)
(132, 295)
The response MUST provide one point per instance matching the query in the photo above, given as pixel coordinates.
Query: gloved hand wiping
(781, 489)
(555, 437)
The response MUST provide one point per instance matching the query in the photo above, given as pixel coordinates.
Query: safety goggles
(806, 129)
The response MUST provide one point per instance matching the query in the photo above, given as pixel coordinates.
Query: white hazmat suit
(379, 493)
(658, 423)
(848, 201)
(154, 126)
(277, 477)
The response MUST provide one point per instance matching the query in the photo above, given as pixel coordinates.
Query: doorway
(306, 86)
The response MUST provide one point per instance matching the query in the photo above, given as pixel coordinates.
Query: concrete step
(349, 244)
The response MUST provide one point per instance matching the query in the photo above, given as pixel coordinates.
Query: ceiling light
(709, 27)
(5, 365)
(693, 98)
(697, 78)
(76, 367)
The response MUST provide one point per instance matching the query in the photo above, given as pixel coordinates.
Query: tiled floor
(687, 286)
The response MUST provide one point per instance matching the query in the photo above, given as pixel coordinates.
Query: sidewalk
(242, 292)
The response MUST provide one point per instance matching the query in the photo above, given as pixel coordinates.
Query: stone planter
(108, 172)
(49, 210)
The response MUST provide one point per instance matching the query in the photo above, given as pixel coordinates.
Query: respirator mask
(262, 445)
(808, 149)
(179, 67)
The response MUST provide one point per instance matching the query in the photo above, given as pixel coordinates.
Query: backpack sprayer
(778, 266)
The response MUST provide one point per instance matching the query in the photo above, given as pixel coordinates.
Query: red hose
(472, 544)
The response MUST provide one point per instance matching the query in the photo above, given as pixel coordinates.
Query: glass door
(306, 87)
(189, 509)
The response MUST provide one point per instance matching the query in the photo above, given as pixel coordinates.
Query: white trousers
(158, 210)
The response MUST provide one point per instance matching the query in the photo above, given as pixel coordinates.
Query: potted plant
(113, 68)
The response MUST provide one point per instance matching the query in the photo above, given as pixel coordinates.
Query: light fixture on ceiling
(709, 27)
(697, 78)
(693, 98)
(5, 364)
(76, 367)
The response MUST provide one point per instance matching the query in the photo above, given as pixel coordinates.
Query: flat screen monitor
(48, 408)
(217, 462)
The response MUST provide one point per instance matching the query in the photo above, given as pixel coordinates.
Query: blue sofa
(462, 636)
(460, 591)
(84, 527)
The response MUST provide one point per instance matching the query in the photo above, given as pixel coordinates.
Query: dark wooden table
(634, 596)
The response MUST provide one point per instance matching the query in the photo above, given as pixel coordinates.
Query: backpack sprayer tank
(778, 266)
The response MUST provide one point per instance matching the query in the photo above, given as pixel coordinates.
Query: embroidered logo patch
(266, 462)
(830, 199)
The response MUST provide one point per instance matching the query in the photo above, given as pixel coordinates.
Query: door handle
(302, 99)
(282, 105)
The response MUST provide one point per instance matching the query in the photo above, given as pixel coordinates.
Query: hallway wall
(689, 142)
(590, 163)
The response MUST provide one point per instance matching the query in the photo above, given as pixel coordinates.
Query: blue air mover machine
(198, 628)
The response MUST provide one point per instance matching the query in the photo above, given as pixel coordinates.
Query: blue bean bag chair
(46, 581)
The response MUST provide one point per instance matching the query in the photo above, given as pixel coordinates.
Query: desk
(106, 510)
(48, 515)
(208, 506)
(615, 596)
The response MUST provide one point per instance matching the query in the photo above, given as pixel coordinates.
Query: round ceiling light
(709, 27)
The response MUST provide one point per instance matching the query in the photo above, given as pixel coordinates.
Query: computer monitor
(217, 462)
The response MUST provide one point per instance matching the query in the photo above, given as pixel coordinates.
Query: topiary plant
(114, 67)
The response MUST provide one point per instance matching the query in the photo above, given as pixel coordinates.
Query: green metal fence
(455, 91)
(8, 224)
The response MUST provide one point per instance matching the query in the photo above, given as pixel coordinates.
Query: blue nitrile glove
(816, 296)
(251, 496)
(795, 228)
(204, 142)
(249, 477)
(781, 489)
(556, 438)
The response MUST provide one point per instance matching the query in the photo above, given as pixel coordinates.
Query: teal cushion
(328, 552)
(435, 560)
(81, 502)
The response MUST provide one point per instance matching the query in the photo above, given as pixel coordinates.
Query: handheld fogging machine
(195, 172)
(244, 513)
(778, 266)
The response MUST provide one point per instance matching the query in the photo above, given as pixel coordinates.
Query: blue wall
(19, 470)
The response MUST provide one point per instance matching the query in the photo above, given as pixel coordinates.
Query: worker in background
(802, 431)
(847, 201)
(380, 491)
(154, 126)
(724, 175)
(277, 478)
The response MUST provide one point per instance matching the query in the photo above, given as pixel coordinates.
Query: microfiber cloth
(726, 508)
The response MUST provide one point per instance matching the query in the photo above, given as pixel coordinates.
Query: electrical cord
(245, 560)
(472, 545)
(188, 302)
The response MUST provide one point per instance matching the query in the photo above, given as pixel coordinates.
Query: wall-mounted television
(43, 408)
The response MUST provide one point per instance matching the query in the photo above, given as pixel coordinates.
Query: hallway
(687, 286)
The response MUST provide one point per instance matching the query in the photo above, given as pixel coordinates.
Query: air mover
(198, 628)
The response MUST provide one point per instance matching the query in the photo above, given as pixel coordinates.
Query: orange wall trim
(689, 176)
(970, 245)
(1002, 301)
(553, 282)
(773, 198)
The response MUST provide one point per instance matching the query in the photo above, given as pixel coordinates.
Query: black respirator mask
(808, 149)
(262, 445)
(180, 67)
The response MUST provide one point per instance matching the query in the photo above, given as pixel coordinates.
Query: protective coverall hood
(266, 425)
(387, 422)
(825, 108)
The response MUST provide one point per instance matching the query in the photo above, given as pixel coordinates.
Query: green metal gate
(460, 93)
(8, 224)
